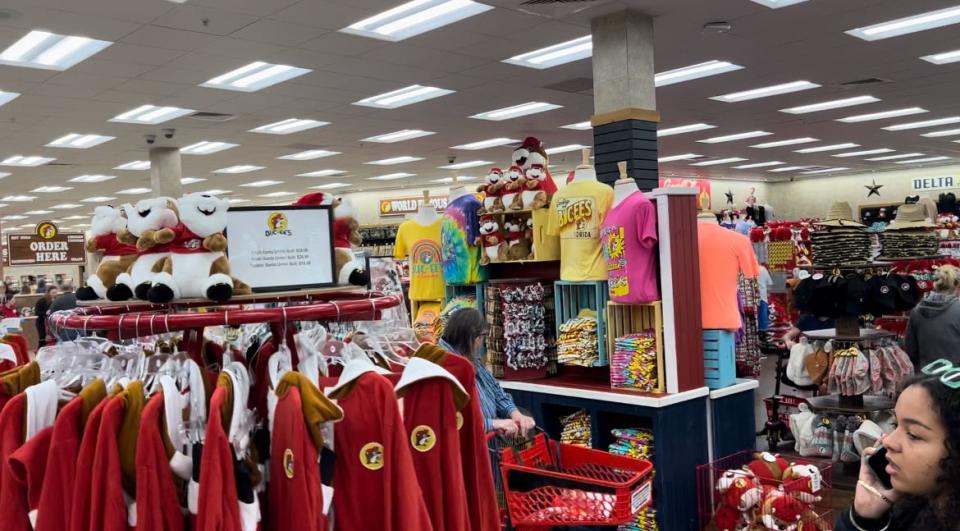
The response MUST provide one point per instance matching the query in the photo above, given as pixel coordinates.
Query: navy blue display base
(733, 421)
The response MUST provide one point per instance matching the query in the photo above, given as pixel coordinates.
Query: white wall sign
(928, 184)
(281, 248)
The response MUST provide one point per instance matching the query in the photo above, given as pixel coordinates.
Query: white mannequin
(625, 186)
(585, 172)
(427, 213)
(456, 192)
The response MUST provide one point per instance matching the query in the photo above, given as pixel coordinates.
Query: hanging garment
(16, 380)
(81, 506)
(374, 467)
(159, 462)
(218, 489)
(432, 402)
(12, 426)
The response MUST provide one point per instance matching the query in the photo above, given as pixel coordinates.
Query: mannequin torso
(456, 192)
(584, 174)
(622, 189)
(426, 215)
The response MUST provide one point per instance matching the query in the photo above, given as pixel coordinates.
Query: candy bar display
(638, 444)
(748, 342)
(523, 327)
(577, 343)
(426, 324)
(576, 429)
(634, 362)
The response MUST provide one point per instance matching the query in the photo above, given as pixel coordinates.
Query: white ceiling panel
(259, 8)
(278, 32)
(204, 20)
(343, 44)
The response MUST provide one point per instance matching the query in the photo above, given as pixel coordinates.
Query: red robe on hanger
(11, 437)
(27, 468)
(218, 502)
(158, 506)
(80, 510)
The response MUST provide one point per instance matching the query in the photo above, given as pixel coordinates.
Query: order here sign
(45, 246)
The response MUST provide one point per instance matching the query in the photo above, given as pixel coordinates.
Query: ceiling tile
(204, 20)
(278, 32)
(170, 39)
(343, 44)
(258, 8)
(330, 15)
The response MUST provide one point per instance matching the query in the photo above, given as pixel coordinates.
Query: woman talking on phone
(923, 461)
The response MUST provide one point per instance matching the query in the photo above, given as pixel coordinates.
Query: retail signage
(704, 196)
(401, 206)
(929, 184)
(281, 248)
(45, 246)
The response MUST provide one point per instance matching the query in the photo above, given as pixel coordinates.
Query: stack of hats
(576, 429)
(911, 234)
(839, 239)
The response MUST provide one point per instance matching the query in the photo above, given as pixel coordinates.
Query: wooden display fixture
(848, 326)
(546, 248)
(624, 319)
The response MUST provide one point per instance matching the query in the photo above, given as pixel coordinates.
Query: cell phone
(878, 464)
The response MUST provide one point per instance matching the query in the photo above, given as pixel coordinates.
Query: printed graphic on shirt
(288, 463)
(371, 456)
(613, 251)
(459, 420)
(425, 259)
(577, 218)
(422, 438)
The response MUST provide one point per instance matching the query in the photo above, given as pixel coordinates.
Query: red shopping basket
(552, 484)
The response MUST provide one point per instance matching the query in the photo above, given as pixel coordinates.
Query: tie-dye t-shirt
(422, 244)
(458, 232)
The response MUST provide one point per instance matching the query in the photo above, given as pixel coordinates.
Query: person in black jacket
(41, 310)
(924, 456)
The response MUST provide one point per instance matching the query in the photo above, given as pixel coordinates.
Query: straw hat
(913, 216)
(840, 215)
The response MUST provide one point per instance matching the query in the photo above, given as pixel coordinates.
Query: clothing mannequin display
(427, 213)
(459, 230)
(456, 192)
(629, 236)
(419, 238)
(724, 255)
(624, 187)
(576, 213)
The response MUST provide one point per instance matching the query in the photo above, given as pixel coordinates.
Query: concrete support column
(165, 172)
(624, 98)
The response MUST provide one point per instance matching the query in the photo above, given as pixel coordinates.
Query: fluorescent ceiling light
(759, 165)
(134, 191)
(864, 153)
(900, 156)
(277, 194)
(206, 147)
(777, 4)
(261, 184)
(217, 191)
(484, 144)
(49, 51)
(7, 97)
(97, 199)
(79, 141)
(680, 129)
(68, 206)
(75, 217)
(882, 115)
(564, 149)
(394, 160)
(918, 161)
(697, 71)
(557, 54)
(763, 92)
(449, 180)
(135, 165)
(255, 76)
(414, 18)
(150, 114)
(943, 58)
(329, 186)
(788, 168)
(926, 123)
(788, 142)
(465, 165)
(731, 138)
(831, 147)
(945, 132)
(191, 180)
(51, 189)
(402, 97)
(238, 200)
(92, 178)
(4, 174)
(391, 176)
(310, 154)
(288, 126)
(398, 136)
(719, 161)
(38, 212)
(579, 126)
(832, 104)
(903, 26)
(240, 168)
(322, 173)
(13, 217)
(516, 111)
(28, 161)
(824, 170)
(685, 156)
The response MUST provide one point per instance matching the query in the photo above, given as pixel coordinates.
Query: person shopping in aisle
(935, 323)
(41, 310)
(924, 456)
(464, 335)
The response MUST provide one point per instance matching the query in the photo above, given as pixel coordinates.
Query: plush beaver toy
(116, 258)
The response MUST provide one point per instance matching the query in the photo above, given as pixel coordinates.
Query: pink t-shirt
(629, 237)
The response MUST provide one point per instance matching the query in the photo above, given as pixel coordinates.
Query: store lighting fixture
(831, 147)
(777, 4)
(185, 181)
(277, 194)
(825, 170)
(714, 162)
(945, 132)
(465, 165)
(764, 92)
(261, 184)
(394, 160)
(895, 157)
(895, 113)
(217, 191)
(150, 115)
(97, 199)
(788, 142)
(288, 126)
(79, 141)
(403, 97)
(92, 178)
(449, 180)
(485, 144)
(414, 18)
(255, 76)
(28, 161)
(788, 168)
(906, 25)
(516, 111)
(240, 168)
(685, 156)
(237, 200)
(322, 173)
(68, 206)
(329, 186)
(75, 217)
(564, 149)
(7, 97)
(13, 217)
(391, 176)
(206, 147)
(50, 51)
(832, 104)
(134, 191)
(555, 55)
(38, 212)
(134, 165)
(680, 129)
(579, 126)
(51, 189)
(4, 174)
(398, 136)
(920, 161)
(943, 58)
(731, 138)
(697, 71)
(864, 153)
(927, 123)
(310, 154)
(759, 165)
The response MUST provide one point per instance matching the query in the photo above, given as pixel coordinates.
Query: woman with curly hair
(924, 456)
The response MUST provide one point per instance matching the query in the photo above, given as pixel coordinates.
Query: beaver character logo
(277, 223)
(288, 463)
(371, 456)
(47, 231)
(423, 439)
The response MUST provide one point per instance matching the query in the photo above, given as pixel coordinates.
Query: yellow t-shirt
(576, 213)
(422, 244)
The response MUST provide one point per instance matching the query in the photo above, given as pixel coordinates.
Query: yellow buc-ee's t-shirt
(576, 212)
(422, 244)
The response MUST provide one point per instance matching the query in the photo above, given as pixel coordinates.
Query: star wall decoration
(874, 189)
(729, 194)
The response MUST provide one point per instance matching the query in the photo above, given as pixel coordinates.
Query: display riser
(732, 423)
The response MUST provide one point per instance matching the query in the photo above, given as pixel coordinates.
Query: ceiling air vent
(866, 82)
(58, 164)
(577, 85)
(212, 116)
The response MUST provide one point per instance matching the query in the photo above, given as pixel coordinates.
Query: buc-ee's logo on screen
(277, 224)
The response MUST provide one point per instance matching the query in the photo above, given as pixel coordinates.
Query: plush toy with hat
(533, 195)
(144, 220)
(116, 258)
(804, 482)
(346, 234)
(532, 151)
(492, 191)
(512, 199)
(491, 240)
(781, 512)
(767, 468)
(518, 245)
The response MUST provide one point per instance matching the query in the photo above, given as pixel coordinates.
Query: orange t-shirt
(724, 254)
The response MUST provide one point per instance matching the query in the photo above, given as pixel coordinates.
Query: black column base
(631, 140)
